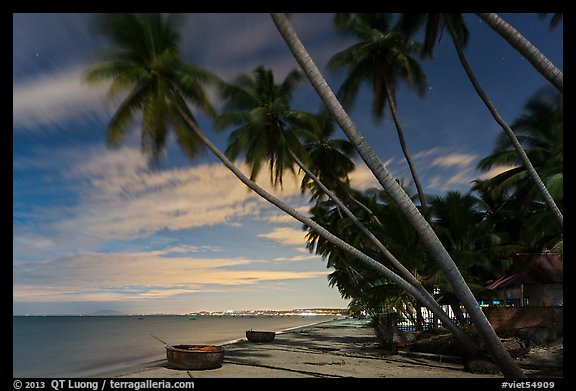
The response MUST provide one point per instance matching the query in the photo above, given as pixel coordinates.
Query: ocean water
(85, 346)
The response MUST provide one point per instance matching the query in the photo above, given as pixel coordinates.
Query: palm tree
(517, 146)
(439, 253)
(525, 47)
(555, 19)
(454, 23)
(481, 253)
(383, 58)
(540, 130)
(145, 65)
(397, 235)
(434, 23)
(459, 221)
(264, 132)
(329, 159)
(260, 109)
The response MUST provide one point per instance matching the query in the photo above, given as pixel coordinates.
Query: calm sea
(84, 346)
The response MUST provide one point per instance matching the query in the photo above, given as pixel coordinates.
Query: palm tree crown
(145, 67)
(514, 196)
(434, 23)
(259, 109)
(382, 56)
(540, 131)
(328, 158)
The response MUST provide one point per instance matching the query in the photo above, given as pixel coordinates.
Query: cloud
(457, 170)
(442, 169)
(105, 195)
(137, 276)
(125, 199)
(495, 171)
(362, 178)
(185, 248)
(231, 44)
(284, 218)
(238, 43)
(454, 159)
(429, 153)
(286, 236)
(445, 157)
(52, 98)
(298, 258)
(117, 197)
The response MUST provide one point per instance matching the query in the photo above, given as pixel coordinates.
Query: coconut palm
(525, 47)
(328, 158)
(555, 19)
(145, 66)
(433, 24)
(383, 58)
(455, 25)
(462, 223)
(540, 130)
(419, 223)
(396, 234)
(260, 109)
(459, 221)
(267, 130)
(145, 62)
(517, 145)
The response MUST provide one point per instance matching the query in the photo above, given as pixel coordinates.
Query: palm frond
(117, 127)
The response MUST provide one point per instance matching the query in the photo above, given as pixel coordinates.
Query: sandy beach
(344, 348)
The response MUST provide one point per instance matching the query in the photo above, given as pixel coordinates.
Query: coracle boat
(260, 336)
(195, 356)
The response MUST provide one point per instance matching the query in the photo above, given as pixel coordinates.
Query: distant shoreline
(238, 313)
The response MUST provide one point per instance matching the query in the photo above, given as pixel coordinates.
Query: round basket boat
(260, 336)
(195, 356)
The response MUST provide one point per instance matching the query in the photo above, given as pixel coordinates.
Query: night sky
(97, 228)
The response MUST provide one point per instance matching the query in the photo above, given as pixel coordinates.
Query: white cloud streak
(138, 276)
(454, 160)
(495, 171)
(286, 236)
(119, 197)
(53, 98)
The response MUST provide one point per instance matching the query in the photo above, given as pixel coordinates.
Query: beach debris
(481, 364)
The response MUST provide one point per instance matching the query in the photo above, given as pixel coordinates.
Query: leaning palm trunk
(525, 47)
(430, 303)
(383, 250)
(517, 146)
(365, 208)
(394, 112)
(493, 343)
